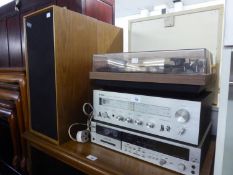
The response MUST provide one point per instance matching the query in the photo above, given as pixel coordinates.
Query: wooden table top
(109, 162)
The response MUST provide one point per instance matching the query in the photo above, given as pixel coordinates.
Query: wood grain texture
(201, 80)
(14, 96)
(75, 43)
(4, 56)
(110, 38)
(23, 32)
(76, 39)
(75, 5)
(33, 4)
(14, 40)
(8, 115)
(6, 104)
(103, 10)
(13, 87)
(62, 3)
(109, 162)
(7, 10)
(13, 70)
(20, 79)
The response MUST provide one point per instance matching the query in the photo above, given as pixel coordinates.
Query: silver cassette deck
(182, 158)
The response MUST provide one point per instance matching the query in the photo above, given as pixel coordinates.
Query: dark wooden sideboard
(13, 104)
(11, 23)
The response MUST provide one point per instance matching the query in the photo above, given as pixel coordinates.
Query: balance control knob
(120, 118)
(182, 116)
(162, 162)
(162, 128)
(181, 131)
(129, 120)
(105, 115)
(138, 122)
(107, 131)
(168, 128)
(115, 133)
(181, 167)
(150, 125)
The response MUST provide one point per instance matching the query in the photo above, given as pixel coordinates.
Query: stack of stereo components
(172, 129)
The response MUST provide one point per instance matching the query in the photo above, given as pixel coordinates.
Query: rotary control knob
(138, 122)
(181, 131)
(150, 125)
(129, 120)
(181, 167)
(120, 118)
(105, 115)
(162, 162)
(115, 133)
(182, 116)
(107, 132)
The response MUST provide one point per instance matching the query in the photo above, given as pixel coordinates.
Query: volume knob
(138, 122)
(129, 120)
(120, 118)
(182, 116)
(181, 131)
(181, 167)
(162, 162)
(150, 125)
(105, 115)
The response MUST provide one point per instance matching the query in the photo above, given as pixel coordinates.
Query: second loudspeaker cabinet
(59, 49)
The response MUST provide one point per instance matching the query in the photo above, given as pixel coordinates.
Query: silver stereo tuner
(177, 119)
(182, 158)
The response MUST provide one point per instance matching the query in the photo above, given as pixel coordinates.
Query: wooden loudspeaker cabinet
(59, 48)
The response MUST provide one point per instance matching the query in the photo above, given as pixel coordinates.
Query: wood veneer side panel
(25, 57)
(75, 43)
(153, 78)
(109, 38)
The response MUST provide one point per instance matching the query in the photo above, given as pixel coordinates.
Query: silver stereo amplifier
(177, 119)
(182, 158)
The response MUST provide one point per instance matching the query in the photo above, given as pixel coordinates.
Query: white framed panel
(197, 28)
(228, 36)
(223, 158)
